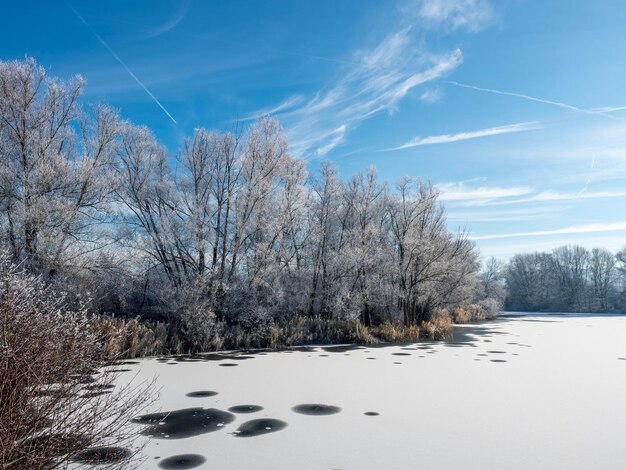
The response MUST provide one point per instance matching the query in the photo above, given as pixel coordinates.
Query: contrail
(130, 72)
(593, 164)
(527, 97)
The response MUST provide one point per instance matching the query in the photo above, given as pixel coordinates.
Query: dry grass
(461, 315)
(390, 333)
(439, 327)
(130, 338)
(474, 313)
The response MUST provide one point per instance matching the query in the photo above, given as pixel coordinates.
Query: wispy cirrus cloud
(553, 196)
(477, 215)
(178, 16)
(465, 194)
(432, 95)
(470, 14)
(568, 196)
(448, 138)
(460, 192)
(506, 248)
(290, 103)
(375, 82)
(575, 229)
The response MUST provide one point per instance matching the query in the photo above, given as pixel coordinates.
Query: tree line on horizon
(567, 279)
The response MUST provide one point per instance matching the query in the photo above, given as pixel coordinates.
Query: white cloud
(289, 103)
(586, 228)
(513, 215)
(337, 138)
(608, 109)
(549, 196)
(470, 14)
(374, 82)
(171, 23)
(432, 95)
(561, 196)
(448, 138)
(505, 249)
(459, 192)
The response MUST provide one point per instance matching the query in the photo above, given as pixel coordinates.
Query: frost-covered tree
(55, 168)
(230, 228)
(434, 266)
(569, 279)
(492, 281)
(602, 278)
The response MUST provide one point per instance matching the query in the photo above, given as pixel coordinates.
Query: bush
(490, 307)
(461, 315)
(123, 338)
(396, 333)
(486, 309)
(54, 399)
(439, 327)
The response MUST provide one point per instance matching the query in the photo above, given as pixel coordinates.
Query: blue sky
(512, 107)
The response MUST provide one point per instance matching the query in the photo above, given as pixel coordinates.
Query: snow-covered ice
(531, 392)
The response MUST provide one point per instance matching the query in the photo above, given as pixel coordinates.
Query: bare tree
(327, 226)
(602, 272)
(433, 266)
(235, 229)
(55, 167)
(492, 281)
(570, 279)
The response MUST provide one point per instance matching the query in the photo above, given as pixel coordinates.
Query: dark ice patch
(183, 461)
(245, 408)
(180, 424)
(258, 427)
(201, 394)
(342, 349)
(316, 409)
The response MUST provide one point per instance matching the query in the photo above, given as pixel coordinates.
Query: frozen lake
(540, 392)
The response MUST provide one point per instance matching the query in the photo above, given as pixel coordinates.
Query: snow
(557, 402)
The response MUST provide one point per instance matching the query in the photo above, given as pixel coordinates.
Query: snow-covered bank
(518, 393)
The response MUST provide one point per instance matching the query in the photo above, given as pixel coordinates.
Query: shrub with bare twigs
(58, 400)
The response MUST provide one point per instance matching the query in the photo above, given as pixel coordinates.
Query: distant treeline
(568, 279)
